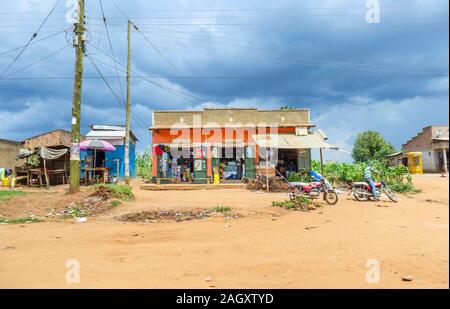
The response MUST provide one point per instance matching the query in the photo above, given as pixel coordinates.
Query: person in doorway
(291, 168)
(368, 178)
(240, 170)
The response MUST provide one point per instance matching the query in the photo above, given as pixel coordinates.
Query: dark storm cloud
(316, 54)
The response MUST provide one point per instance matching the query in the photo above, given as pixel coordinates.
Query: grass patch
(404, 188)
(300, 202)
(220, 209)
(119, 191)
(76, 212)
(115, 203)
(7, 194)
(19, 220)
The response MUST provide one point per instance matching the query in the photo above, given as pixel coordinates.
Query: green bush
(19, 220)
(144, 164)
(76, 212)
(397, 177)
(299, 177)
(115, 203)
(300, 202)
(220, 208)
(119, 191)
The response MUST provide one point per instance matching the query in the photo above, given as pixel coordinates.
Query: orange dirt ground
(266, 248)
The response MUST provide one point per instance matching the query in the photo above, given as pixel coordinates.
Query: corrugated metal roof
(290, 141)
(102, 132)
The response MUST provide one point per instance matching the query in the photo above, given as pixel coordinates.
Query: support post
(46, 174)
(321, 162)
(267, 169)
(444, 158)
(128, 111)
(76, 101)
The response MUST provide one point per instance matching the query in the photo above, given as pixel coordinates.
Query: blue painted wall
(119, 153)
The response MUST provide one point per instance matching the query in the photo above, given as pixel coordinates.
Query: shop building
(114, 160)
(191, 146)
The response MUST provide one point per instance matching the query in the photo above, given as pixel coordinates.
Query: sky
(355, 70)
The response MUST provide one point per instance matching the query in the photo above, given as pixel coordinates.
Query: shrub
(119, 191)
(115, 203)
(144, 164)
(220, 208)
(19, 220)
(300, 202)
(397, 177)
(76, 212)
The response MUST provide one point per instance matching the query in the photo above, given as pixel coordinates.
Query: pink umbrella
(96, 144)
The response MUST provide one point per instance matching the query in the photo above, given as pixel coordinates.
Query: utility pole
(76, 101)
(128, 111)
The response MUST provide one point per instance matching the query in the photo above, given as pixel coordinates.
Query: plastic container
(415, 162)
(5, 182)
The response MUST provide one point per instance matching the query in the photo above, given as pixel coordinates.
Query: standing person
(291, 168)
(240, 169)
(368, 178)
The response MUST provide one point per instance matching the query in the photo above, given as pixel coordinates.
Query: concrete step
(184, 187)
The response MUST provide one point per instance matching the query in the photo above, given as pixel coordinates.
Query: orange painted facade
(207, 136)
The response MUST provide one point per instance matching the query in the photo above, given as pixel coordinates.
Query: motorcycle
(363, 192)
(313, 190)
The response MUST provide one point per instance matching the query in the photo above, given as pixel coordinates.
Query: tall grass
(397, 177)
(144, 164)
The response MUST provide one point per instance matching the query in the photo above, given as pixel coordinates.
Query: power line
(146, 38)
(306, 61)
(111, 48)
(179, 93)
(118, 99)
(34, 42)
(347, 8)
(268, 77)
(37, 62)
(31, 39)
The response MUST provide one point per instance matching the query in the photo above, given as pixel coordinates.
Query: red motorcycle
(363, 192)
(313, 190)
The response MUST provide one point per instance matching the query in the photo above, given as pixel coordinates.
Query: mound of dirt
(93, 204)
(163, 216)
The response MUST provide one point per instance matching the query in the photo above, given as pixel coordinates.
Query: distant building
(8, 151)
(433, 143)
(56, 139)
(115, 135)
(233, 142)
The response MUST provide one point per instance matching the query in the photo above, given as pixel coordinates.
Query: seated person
(315, 176)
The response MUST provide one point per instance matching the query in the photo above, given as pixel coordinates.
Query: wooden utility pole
(76, 101)
(321, 161)
(128, 108)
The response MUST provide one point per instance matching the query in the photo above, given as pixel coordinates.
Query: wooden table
(22, 174)
(103, 170)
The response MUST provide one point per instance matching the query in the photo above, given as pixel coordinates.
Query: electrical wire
(34, 42)
(35, 34)
(146, 38)
(117, 97)
(111, 48)
(36, 62)
(179, 93)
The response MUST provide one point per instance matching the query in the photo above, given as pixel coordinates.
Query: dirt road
(266, 248)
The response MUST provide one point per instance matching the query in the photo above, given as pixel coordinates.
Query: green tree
(371, 145)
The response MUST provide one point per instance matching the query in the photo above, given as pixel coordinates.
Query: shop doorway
(287, 162)
(232, 164)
